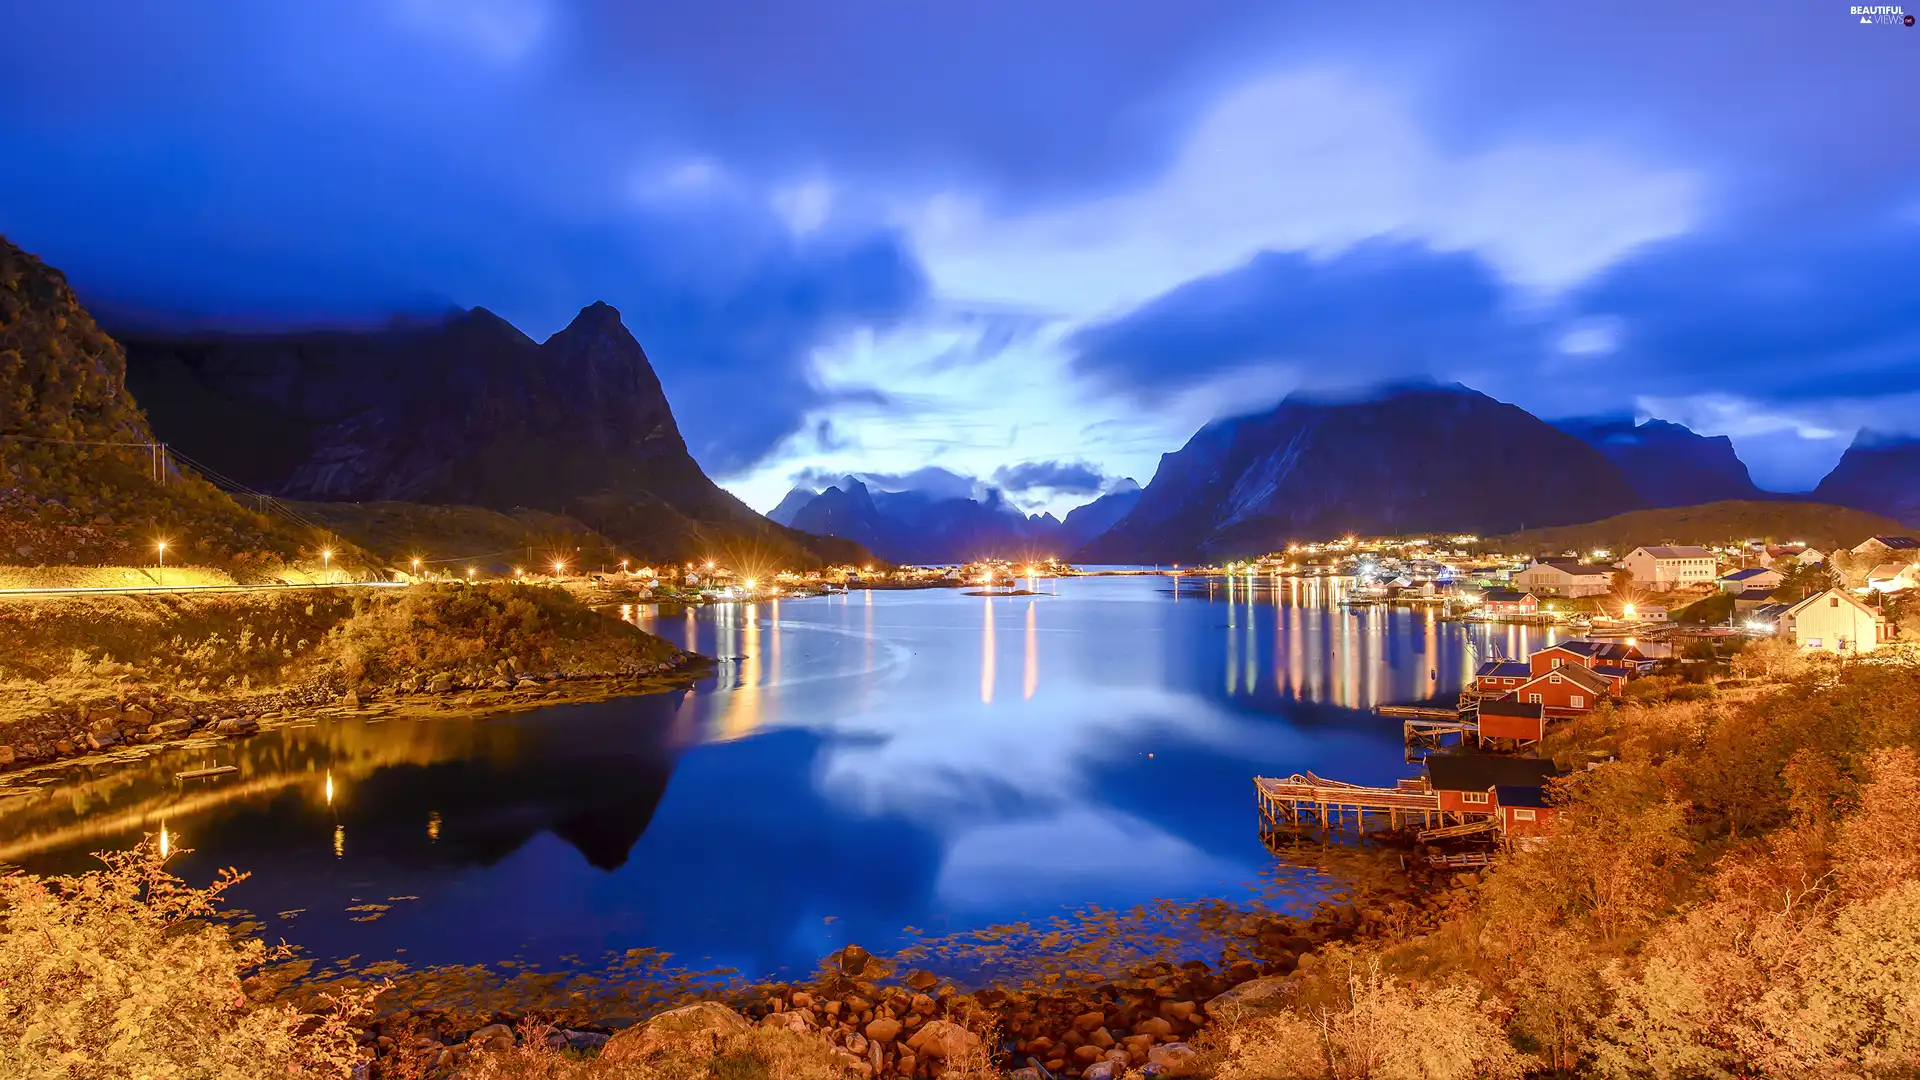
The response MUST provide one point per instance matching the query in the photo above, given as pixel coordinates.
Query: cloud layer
(857, 236)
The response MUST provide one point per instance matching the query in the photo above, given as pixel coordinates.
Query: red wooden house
(1508, 602)
(1465, 782)
(1497, 677)
(1523, 809)
(1568, 690)
(1508, 717)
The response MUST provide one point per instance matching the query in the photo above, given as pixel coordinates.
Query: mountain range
(1410, 459)
(464, 410)
(936, 527)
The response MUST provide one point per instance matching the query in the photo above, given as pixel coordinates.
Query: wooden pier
(1304, 798)
(1428, 726)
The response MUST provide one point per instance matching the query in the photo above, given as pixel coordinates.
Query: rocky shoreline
(142, 720)
(1153, 1019)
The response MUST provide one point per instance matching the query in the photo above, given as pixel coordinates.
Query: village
(1484, 790)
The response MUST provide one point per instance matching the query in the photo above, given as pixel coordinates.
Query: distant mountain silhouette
(928, 527)
(464, 411)
(1879, 473)
(1083, 523)
(1408, 459)
(791, 505)
(1667, 464)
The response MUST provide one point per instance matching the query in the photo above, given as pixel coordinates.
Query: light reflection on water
(860, 763)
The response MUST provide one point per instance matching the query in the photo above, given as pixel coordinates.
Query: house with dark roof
(1496, 677)
(1879, 549)
(1522, 722)
(1568, 690)
(1465, 782)
(1753, 577)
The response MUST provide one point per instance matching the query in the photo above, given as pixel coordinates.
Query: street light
(416, 566)
(326, 563)
(469, 573)
(558, 566)
(159, 576)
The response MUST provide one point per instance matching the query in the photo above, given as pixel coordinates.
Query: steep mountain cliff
(1879, 473)
(79, 478)
(465, 410)
(1410, 459)
(1667, 464)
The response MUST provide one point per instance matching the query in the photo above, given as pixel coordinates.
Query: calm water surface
(861, 764)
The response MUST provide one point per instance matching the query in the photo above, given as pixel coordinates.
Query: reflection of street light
(159, 575)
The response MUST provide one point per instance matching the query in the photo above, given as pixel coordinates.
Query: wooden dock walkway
(1429, 726)
(1304, 798)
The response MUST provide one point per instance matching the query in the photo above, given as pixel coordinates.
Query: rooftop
(1479, 772)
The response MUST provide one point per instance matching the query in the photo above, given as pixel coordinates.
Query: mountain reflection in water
(861, 763)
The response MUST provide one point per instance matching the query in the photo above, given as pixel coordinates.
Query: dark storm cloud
(1772, 317)
(1379, 311)
(1059, 477)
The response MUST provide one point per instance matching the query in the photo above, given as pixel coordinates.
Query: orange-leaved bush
(124, 972)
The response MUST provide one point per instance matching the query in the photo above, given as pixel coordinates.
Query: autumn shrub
(431, 628)
(123, 972)
(1371, 1026)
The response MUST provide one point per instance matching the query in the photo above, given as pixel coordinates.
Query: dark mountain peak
(1424, 457)
(1879, 473)
(600, 316)
(1668, 464)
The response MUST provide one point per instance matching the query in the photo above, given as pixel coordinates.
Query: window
(1523, 815)
(1534, 699)
(1557, 661)
(1578, 701)
(1475, 797)
(1554, 679)
(1833, 601)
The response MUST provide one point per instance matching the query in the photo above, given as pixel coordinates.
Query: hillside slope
(77, 475)
(1411, 459)
(1819, 524)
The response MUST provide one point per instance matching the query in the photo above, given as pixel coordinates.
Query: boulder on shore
(696, 1029)
(1255, 997)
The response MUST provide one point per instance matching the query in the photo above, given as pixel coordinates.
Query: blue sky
(1044, 241)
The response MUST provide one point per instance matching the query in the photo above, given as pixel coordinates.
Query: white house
(1559, 577)
(1893, 577)
(1785, 557)
(1833, 621)
(1663, 568)
(1753, 577)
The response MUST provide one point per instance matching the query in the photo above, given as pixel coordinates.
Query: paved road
(131, 590)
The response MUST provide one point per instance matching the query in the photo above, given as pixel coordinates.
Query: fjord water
(861, 764)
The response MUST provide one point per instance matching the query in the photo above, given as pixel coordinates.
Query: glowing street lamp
(326, 563)
(469, 573)
(416, 566)
(750, 584)
(558, 567)
(516, 571)
(709, 565)
(161, 573)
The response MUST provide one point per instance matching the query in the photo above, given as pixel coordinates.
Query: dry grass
(762, 1053)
